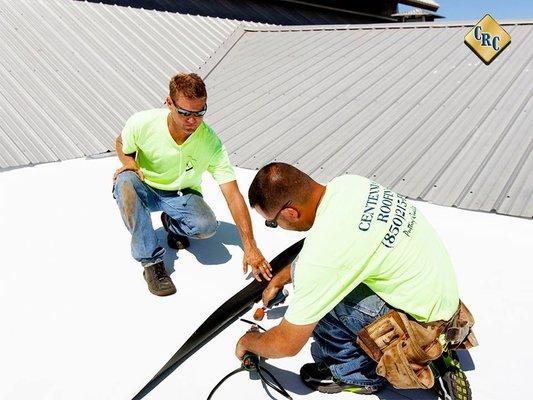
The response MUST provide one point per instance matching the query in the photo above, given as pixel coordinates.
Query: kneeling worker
(368, 251)
(164, 153)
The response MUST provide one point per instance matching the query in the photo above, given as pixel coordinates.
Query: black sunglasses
(186, 113)
(273, 223)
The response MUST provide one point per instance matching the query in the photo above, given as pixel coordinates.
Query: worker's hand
(271, 291)
(129, 167)
(253, 258)
(241, 348)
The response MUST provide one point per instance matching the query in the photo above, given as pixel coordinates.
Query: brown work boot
(159, 283)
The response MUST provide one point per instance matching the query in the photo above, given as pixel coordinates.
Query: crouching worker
(371, 265)
(164, 153)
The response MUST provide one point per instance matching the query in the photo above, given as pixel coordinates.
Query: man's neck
(320, 191)
(316, 197)
(179, 136)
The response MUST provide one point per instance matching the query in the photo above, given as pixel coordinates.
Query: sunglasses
(273, 223)
(186, 113)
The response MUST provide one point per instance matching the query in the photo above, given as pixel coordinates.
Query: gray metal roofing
(407, 105)
(72, 72)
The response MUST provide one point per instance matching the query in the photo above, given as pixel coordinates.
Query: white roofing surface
(79, 323)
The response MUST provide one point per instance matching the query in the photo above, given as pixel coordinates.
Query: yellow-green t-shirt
(167, 165)
(365, 233)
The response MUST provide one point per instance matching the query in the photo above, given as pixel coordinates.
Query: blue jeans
(190, 214)
(335, 337)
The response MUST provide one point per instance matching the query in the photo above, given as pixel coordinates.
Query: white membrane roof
(79, 323)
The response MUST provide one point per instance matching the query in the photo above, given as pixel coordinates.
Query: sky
(462, 10)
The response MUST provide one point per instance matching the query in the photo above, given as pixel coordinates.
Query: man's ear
(291, 213)
(168, 102)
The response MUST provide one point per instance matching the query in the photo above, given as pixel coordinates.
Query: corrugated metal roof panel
(410, 106)
(72, 72)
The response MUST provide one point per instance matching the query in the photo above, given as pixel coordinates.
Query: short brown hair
(277, 183)
(188, 85)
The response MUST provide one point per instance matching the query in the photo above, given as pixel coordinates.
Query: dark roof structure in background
(279, 12)
(425, 4)
(416, 14)
(407, 105)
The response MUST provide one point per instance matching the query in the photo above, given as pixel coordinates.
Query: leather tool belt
(404, 348)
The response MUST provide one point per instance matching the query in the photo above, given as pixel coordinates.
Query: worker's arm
(284, 340)
(279, 280)
(127, 160)
(252, 256)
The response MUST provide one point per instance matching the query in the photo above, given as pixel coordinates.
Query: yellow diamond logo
(487, 39)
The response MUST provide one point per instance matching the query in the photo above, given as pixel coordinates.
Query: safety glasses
(186, 113)
(273, 223)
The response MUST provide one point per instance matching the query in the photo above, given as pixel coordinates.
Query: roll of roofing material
(221, 318)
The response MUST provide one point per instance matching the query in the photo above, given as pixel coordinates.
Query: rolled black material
(228, 312)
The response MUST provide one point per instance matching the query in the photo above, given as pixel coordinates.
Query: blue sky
(461, 10)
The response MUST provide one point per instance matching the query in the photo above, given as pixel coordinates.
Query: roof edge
(398, 25)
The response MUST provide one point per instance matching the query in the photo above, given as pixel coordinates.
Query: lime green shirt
(167, 165)
(366, 233)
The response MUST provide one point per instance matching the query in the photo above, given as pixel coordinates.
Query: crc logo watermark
(487, 39)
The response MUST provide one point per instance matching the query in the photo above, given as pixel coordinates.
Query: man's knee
(126, 177)
(127, 184)
(127, 196)
(205, 228)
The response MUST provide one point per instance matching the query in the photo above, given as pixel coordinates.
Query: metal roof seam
(294, 95)
(296, 139)
(361, 129)
(58, 72)
(61, 127)
(470, 134)
(416, 127)
(399, 25)
(495, 146)
(112, 49)
(218, 55)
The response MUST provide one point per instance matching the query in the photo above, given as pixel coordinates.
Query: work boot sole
(328, 385)
(451, 382)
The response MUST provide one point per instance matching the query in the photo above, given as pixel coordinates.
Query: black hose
(272, 382)
(277, 387)
(223, 380)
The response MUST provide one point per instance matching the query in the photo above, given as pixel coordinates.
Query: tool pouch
(459, 334)
(403, 348)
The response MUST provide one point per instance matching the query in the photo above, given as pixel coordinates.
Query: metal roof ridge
(399, 25)
(220, 52)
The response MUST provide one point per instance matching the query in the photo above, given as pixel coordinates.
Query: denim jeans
(334, 337)
(190, 214)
